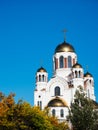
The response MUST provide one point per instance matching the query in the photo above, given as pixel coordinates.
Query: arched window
(40, 105)
(79, 74)
(69, 62)
(53, 112)
(43, 78)
(39, 78)
(57, 91)
(62, 113)
(76, 74)
(61, 62)
(90, 81)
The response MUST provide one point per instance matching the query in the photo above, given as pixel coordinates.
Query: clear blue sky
(30, 30)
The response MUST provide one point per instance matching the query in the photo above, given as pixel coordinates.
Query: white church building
(58, 92)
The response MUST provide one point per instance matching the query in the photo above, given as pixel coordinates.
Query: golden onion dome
(41, 69)
(64, 47)
(88, 75)
(57, 102)
(77, 65)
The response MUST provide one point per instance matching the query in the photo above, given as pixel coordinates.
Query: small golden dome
(77, 66)
(88, 75)
(64, 47)
(57, 102)
(41, 69)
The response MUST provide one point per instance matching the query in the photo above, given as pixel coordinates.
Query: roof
(88, 75)
(57, 102)
(41, 69)
(64, 47)
(77, 65)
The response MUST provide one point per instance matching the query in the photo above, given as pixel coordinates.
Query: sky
(30, 30)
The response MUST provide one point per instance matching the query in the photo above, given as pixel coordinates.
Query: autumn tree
(6, 103)
(23, 116)
(83, 114)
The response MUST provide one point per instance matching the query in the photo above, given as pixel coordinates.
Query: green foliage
(22, 116)
(82, 114)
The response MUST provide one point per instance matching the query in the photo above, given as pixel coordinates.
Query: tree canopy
(83, 114)
(23, 116)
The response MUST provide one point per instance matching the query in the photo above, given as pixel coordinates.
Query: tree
(82, 113)
(6, 103)
(23, 116)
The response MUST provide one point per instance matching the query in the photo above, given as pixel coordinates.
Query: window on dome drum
(76, 74)
(42, 77)
(62, 113)
(39, 78)
(79, 74)
(69, 62)
(61, 61)
(53, 112)
(57, 91)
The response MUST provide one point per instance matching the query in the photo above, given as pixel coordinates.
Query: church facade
(58, 92)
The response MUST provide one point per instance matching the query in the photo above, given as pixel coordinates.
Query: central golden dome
(64, 47)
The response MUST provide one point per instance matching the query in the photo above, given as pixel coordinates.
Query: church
(58, 92)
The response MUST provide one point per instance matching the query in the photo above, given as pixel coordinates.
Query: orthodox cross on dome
(64, 31)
